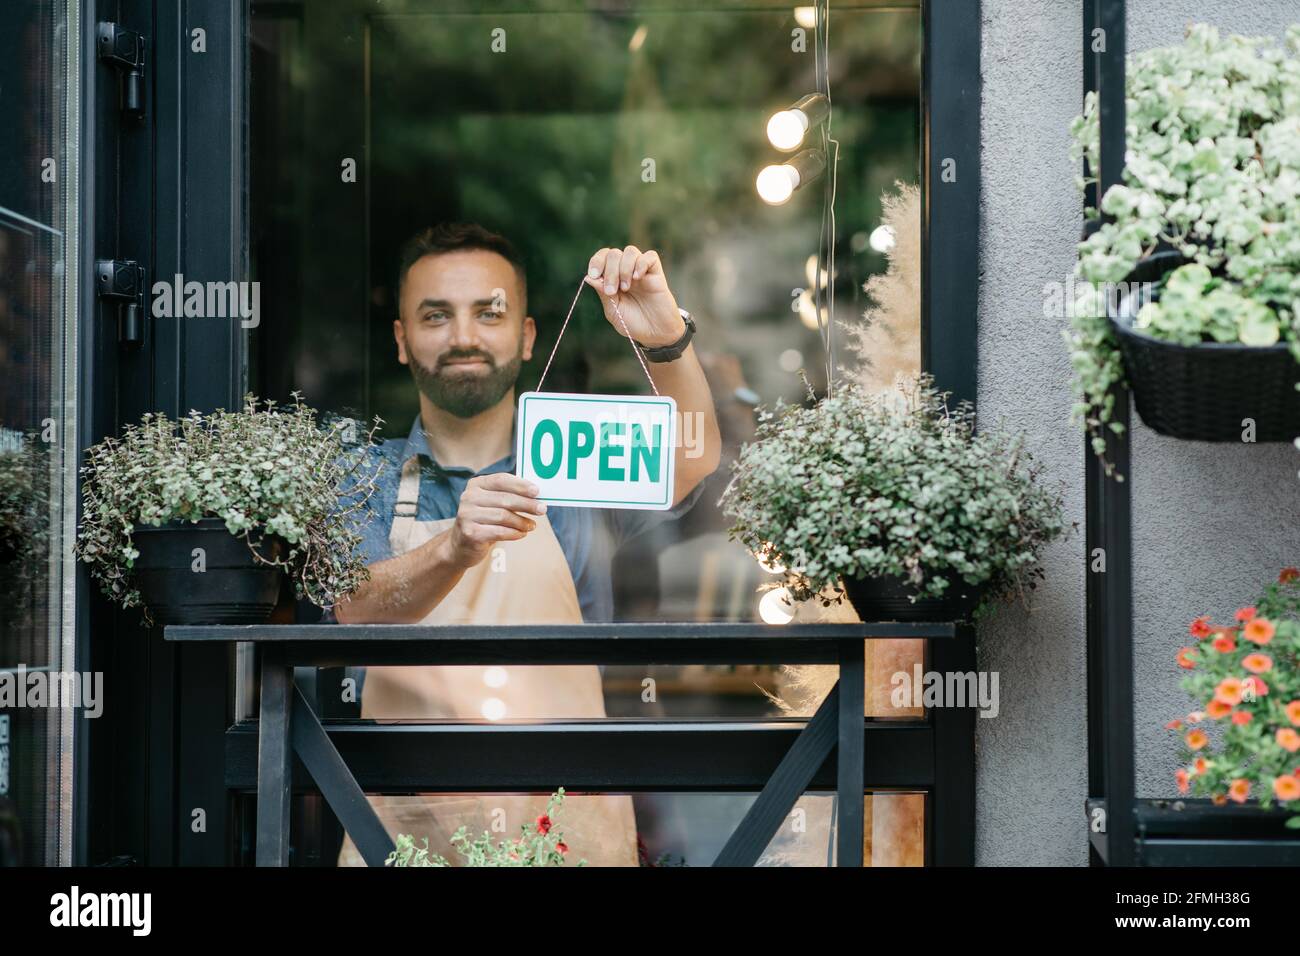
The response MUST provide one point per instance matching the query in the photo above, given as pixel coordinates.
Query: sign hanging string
(618, 313)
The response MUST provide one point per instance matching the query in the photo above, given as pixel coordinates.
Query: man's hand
(492, 508)
(636, 281)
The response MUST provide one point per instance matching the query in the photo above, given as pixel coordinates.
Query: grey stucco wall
(1212, 523)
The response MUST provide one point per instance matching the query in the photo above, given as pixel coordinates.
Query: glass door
(39, 256)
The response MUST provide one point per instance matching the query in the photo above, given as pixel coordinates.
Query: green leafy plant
(264, 469)
(24, 476)
(540, 843)
(1246, 678)
(890, 484)
(1212, 171)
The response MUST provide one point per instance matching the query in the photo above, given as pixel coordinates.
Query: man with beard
(457, 538)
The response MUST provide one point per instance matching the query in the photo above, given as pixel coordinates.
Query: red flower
(1224, 642)
(1288, 575)
(562, 848)
(543, 824)
(1240, 717)
(1187, 658)
(1259, 630)
(1200, 627)
(1245, 614)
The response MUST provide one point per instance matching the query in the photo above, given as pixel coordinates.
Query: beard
(466, 394)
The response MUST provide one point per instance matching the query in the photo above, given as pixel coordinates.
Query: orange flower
(1245, 614)
(1180, 777)
(1288, 739)
(1293, 712)
(1218, 799)
(1217, 709)
(1173, 724)
(1239, 790)
(1258, 630)
(1240, 717)
(1257, 663)
(1196, 739)
(1288, 575)
(1286, 787)
(1200, 627)
(1187, 658)
(1228, 692)
(1199, 765)
(1224, 642)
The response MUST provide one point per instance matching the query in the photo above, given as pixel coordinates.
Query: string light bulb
(786, 129)
(776, 184)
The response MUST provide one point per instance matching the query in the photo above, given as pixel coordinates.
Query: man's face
(463, 330)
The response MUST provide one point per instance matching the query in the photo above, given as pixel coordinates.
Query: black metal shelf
(1197, 833)
(1123, 830)
(290, 749)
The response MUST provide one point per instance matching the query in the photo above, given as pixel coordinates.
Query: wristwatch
(669, 353)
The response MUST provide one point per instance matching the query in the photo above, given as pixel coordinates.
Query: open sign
(597, 451)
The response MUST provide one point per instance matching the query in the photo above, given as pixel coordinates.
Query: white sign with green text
(597, 451)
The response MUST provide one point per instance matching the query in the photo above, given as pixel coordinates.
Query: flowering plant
(538, 844)
(261, 470)
(1212, 171)
(894, 484)
(1247, 678)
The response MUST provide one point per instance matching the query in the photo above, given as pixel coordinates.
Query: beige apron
(520, 582)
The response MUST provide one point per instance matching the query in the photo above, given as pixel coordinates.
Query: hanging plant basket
(1206, 392)
(221, 584)
(889, 599)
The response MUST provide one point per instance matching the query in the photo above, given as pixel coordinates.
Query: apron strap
(408, 497)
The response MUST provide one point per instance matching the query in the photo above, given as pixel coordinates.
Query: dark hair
(457, 237)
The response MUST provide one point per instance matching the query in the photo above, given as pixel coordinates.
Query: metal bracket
(124, 49)
(122, 282)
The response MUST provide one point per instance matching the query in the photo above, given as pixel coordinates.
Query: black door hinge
(122, 282)
(124, 49)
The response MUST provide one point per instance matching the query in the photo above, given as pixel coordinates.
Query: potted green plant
(199, 519)
(895, 498)
(540, 843)
(1206, 226)
(1245, 678)
(23, 522)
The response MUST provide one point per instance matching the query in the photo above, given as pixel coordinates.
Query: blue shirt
(589, 537)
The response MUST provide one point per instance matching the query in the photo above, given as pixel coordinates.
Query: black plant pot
(232, 589)
(1205, 392)
(889, 599)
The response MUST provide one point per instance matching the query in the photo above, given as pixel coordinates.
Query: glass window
(38, 256)
(568, 129)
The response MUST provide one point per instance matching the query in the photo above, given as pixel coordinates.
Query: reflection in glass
(571, 129)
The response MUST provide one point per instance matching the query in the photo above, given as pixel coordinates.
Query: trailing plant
(24, 518)
(1246, 678)
(890, 484)
(263, 470)
(1212, 171)
(540, 843)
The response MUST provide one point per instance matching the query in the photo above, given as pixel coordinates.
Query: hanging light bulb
(786, 129)
(776, 184)
(882, 238)
(775, 607)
